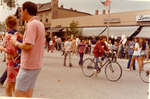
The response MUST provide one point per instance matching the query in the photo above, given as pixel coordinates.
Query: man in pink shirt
(32, 51)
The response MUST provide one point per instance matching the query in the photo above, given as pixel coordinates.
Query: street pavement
(58, 82)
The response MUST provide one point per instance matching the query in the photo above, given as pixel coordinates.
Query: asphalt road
(58, 82)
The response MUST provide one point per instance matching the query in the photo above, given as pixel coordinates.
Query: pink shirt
(34, 34)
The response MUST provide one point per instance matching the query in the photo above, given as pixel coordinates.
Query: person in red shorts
(12, 55)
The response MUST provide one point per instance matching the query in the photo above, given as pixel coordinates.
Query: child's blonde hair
(11, 22)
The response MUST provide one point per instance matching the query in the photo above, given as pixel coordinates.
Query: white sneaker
(127, 69)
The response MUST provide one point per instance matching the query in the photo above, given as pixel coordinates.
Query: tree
(73, 29)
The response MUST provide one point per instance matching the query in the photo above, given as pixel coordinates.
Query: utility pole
(107, 3)
(108, 23)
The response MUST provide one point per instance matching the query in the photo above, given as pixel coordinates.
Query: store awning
(117, 31)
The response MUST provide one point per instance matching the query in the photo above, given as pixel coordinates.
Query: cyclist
(99, 50)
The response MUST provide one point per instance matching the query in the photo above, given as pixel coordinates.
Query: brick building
(51, 10)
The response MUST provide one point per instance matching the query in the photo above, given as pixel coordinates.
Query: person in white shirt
(67, 49)
(51, 46)
(137, 54)
(73, 46)
(77, 41)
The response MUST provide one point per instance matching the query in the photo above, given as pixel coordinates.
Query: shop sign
(143, 18)
(112, 20)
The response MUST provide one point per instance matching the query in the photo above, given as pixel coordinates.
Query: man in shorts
(32, 51)
(67, 49)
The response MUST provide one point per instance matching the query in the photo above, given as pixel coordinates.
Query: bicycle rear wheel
(88, 67)
(113, 71)
(145, 73)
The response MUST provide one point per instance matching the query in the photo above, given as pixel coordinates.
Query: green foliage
(73, 29)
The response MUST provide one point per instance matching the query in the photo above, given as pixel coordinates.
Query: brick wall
(45, 18)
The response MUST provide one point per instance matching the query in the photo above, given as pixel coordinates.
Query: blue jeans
(130, 57)
(96, 62)
(81, 59)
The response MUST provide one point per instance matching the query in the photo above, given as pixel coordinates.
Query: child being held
(12, 54)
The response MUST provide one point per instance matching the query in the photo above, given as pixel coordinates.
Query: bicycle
(145, 72)
(113, 69)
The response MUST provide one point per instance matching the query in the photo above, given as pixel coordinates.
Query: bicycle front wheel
(88, 67)
(113, 71)
(145, 73)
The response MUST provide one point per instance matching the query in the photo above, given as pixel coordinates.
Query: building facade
(130, 18)
(51, 10)
(122, 23)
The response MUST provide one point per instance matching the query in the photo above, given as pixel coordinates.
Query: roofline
(43, 4)
(74, 11)
(130, 11)
(66, 9)
(44, 10)
(105, 26)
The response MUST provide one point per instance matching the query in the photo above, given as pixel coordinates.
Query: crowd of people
(125, 48)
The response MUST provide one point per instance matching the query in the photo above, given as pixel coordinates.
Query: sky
(88, 6)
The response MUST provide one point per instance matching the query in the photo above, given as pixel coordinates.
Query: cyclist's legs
(96, 62)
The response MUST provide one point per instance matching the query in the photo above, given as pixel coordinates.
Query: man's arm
(22, 46)
(25, 46)
(29, 41)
